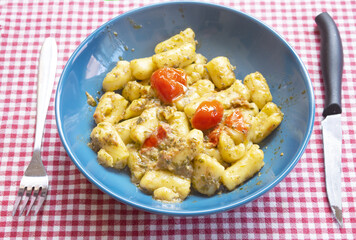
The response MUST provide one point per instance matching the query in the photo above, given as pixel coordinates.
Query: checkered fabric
(297, 208)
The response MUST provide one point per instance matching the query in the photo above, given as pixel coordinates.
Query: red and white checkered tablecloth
(297, 208)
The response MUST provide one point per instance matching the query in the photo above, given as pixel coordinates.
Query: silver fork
(34, 183)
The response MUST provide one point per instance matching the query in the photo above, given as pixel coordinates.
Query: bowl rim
(247, 199)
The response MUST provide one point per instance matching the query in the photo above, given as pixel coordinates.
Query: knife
(331, 65)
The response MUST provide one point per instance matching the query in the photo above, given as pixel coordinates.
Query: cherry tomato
(169, 83)
(155, 137)
(208, 115)
(236, 121)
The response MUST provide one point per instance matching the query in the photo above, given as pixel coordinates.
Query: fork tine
(18, 199)
(26, 198)
(41, 199)
(33, 199)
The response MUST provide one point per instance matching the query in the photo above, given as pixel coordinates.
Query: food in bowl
(179, 122)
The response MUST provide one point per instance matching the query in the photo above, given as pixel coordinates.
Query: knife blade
(331, 56)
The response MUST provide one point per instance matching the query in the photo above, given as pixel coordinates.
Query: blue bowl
(248, 43)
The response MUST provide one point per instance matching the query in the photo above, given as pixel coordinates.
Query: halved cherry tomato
(236, 121)
(208, 115)
(169, 83)
(155, 137)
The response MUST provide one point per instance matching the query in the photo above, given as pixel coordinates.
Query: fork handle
(46, 76)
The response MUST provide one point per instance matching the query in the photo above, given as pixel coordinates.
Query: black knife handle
(331, 62)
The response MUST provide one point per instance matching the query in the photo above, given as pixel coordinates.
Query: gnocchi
(181, 123)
